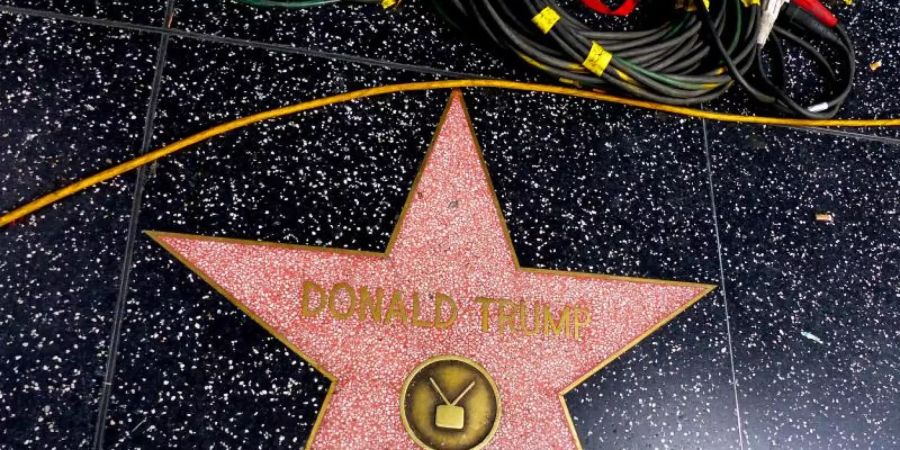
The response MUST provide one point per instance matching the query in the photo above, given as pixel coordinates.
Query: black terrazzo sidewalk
(797, 349)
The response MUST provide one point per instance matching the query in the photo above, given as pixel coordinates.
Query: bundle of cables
(696, 52)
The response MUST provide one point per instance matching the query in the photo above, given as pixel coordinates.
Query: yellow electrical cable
(127, 166)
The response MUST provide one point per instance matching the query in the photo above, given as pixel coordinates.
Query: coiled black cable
(694, 55)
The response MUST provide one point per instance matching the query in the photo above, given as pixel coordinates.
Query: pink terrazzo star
(452, 240)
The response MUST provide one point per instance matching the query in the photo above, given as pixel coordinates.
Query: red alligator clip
(623, 10)
(818, 10)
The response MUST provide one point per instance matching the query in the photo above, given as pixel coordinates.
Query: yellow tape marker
(388, 3)
(597, 59)
(748, 3)
(706, 4)
(546, 19)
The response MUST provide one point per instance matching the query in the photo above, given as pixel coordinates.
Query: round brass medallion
(450, 403)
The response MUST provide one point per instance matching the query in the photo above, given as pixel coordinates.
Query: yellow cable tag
(388, 3)
(706, 4)
(597, 59)
(748, 3)
(546, 19)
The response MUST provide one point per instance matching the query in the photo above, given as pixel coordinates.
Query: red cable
(623, 10)
(818, 10)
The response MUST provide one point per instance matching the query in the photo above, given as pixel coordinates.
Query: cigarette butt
(826, 217)
(875, 65)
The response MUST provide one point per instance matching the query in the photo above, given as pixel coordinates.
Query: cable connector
(819, 107)
(624, 9)
(771, 9)
(819, 11)
(806, 21)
